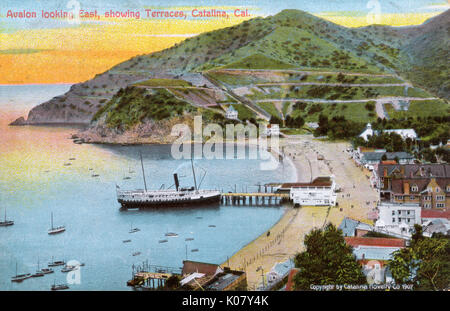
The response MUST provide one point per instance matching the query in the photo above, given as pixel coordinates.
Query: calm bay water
(34, 182)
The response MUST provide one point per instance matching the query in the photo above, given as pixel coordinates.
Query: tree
(326, 260)
(424, 263)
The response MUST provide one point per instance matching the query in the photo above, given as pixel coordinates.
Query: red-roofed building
(434, 214)
(377, 242)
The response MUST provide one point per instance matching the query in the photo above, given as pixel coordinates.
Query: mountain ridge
(294, 37)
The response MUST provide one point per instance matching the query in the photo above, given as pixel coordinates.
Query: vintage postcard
(204, 146)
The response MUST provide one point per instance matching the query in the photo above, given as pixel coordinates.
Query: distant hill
(290, 39)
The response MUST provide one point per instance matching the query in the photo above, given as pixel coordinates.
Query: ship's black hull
(174, 203)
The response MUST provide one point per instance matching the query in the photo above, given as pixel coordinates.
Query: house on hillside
(231, 113)
(404, 133)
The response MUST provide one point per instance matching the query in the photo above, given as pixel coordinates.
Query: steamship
(166, 197)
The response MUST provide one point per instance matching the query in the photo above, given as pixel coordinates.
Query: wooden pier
(151, 277)
(257, 198)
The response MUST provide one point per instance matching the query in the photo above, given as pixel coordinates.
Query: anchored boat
(56, 263)
(5, 222)
(55, 230)
(20, 277)
(166, 197)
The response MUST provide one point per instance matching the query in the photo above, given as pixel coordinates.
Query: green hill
(289, 39)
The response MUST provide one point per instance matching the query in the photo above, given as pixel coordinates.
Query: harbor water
(42, 172)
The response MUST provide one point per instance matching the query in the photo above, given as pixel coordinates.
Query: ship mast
(193, 173)
(143, 172)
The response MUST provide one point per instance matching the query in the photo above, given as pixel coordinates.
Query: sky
(58, 50)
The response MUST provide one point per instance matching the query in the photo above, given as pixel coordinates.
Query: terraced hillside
(261, 64)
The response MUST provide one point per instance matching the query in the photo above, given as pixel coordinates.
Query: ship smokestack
(177, 184)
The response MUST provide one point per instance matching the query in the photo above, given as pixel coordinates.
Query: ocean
(36, 180)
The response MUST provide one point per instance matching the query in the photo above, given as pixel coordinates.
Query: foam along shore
(285, 238)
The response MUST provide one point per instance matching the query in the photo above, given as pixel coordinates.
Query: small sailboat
(72, 159)
(163, 241)
(68, 268)
(56, 263)
(20, 277)
(95, 175)
(126, 178)
(38, 272)
(59, 286)
(189, 239)
(47, 270)
(55, 230)
(171, 234)
(133, 230)
(212, 226)
(126, 241)
(136, 253)
(67, 164)
(194, 250)
(5, 222)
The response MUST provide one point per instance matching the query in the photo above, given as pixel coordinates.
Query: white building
(231, 113)
(320, 192)
(398, 218)
(404, 133)
(272, 129)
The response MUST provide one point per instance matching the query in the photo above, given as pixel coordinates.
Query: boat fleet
(127, 199)
(18, 278)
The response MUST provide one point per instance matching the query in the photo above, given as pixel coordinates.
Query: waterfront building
(425, 184)
(319, 192)
(278, 272)
(228, 280)
(208, 269)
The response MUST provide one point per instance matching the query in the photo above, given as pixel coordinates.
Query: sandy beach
(286, 236)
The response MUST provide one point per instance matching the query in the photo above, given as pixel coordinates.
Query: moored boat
(20, 277)
(6, 222)
(55, 230)
(166, 197)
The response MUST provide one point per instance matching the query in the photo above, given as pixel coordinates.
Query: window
(427, 198)
(393, 219)
(440, 197)
(448, 188)
(438, 189)
(399, 212)
(408, 212)
(427, 205)
(440, 205)
(393, 213)
(414, 188)
(409, 220)
(412, 197)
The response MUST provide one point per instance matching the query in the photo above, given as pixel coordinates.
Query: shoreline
(287, 234)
